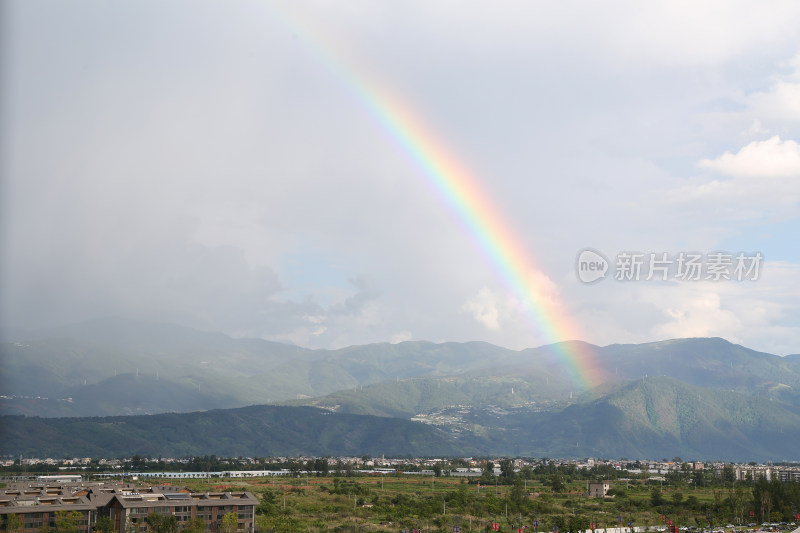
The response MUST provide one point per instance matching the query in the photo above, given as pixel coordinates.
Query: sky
(338, 173)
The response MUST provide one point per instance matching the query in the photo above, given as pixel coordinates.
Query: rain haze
(251, 168)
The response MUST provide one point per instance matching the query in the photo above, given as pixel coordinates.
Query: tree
(618, 492)
(104, 525)
(263, 523)
(507, 470)
(230, 523)
(195, 525)
(269, 502)
(321, 466)
(728, 474)
(487, 473)
(559, 522)
(557, 484)
(13, 523)
(294, 467)
(160, 523)
(577, 524)
(281, 523)
(656, 498)
(339, 467)
(526, 472)
(67, 522)
(518, 497)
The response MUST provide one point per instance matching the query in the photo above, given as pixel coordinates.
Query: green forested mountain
(110, 366)
(708, 362)
(704, 398)
(38, 369)
(535, 378)
(93, 362)
(256, 430)
(663, 417)
(646, 418)
(409, 397)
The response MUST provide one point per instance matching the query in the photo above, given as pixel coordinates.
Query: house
(599, 490)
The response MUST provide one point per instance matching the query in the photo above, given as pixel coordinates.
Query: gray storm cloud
(216, 165)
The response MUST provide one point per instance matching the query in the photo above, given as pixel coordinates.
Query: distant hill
(537, 378)
(128, 393)
(56, 363)
(646, 418)
(650, 417)
(92, 363)
(52, 364)
(660, 417)
(257, 430)
(408, 397)
(705, 362)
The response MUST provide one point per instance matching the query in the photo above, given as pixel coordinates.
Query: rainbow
(462, 192)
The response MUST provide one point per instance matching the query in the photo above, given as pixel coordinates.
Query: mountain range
(704, 398)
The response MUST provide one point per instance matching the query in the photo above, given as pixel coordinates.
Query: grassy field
(405, 502)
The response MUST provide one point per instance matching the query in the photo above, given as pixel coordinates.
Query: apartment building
(129, 511)
(127, 506)
(34, 507)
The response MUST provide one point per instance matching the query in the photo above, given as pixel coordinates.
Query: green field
(400, 502)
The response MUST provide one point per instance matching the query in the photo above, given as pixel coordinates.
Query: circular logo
(591, 266)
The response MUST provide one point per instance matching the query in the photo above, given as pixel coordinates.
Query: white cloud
(759, 314)
(780, 103)
(614, 33)
(698, 315)
(770, 158)
(754, 313)
(760, 184)
(401, 336)
(484, 309)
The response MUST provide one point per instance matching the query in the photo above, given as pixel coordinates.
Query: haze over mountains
(697, 398)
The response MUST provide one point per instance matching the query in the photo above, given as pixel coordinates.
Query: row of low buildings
(36, 505)
(753, 472)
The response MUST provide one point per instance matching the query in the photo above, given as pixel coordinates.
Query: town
(461, 467)
(249, 494)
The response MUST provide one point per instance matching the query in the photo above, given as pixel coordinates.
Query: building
(127, 506)
(129, 511)
(599, 490)
(35, 507)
